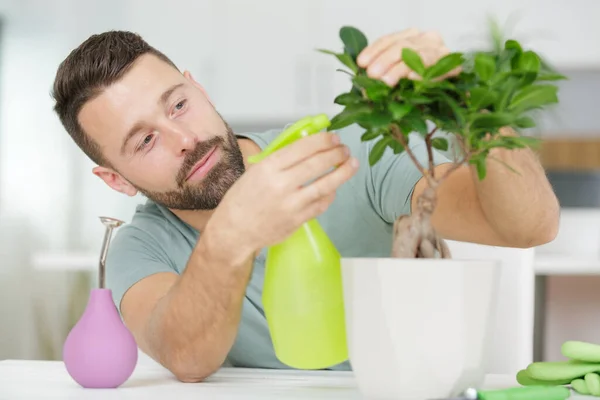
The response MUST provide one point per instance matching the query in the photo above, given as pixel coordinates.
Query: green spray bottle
(302, 293)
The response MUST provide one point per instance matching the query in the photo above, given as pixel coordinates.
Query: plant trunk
(414, 236)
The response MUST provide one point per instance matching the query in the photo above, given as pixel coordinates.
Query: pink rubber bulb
(100, 352)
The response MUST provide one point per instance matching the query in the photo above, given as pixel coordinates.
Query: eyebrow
(137, 126)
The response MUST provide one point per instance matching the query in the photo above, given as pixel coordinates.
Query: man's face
(163, 138)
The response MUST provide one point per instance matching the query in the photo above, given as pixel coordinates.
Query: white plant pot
(418, 329)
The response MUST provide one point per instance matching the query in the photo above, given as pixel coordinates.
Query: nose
(181, 140)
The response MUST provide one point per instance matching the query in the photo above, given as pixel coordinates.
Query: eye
(147, 140)
(180, 105)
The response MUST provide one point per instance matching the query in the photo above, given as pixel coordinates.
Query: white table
(545, 264)
(49, 380)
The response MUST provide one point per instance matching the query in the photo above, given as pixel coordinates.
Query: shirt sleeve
(392, 180)
(133, 255)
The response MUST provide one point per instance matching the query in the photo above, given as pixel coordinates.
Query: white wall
(572, 291)
(572, 312)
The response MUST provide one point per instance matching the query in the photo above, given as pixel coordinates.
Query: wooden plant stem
(414, 236)
(430, 151)
(402, 140)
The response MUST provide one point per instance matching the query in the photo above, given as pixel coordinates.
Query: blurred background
(258, 62)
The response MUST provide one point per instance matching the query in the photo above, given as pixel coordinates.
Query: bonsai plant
(493, 90)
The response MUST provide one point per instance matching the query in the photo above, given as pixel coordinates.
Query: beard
(207, 194)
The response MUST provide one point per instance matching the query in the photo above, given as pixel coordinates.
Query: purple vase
(100, 352)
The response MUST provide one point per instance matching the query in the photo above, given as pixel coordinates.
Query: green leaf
(344, 58)
(532, 97)
(444, 84)
(513, 45)
(511, 142)
(333, 53)
(416, 124)
(349, 116)
(378, 150)
(513, 53)
(405, 127)
(415, 99)
(375, 119)
(482, 97)
(377, 93)
(354, 41)
(480, 164)
(507, 89)
(527, 78)
(344, 71)
(444, 65)
(440, 144)
(418, 99)
(399, 110)
(485, 66)
(499, 79)
(521, 141)
(529, 61)
(492, 121)
(348, 98)
(347, 60)
(491, 144)
(413, 60)
(457, 110)
(369, 135)
(366, 82)
(525, 122)
(550, 77)
(396, 146)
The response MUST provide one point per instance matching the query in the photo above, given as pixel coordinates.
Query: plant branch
(454, 167)
(400, 138)
(430, 151)
(466, 157)
(461, 143)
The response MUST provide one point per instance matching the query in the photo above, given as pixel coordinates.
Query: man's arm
(188, 323)
(514, 208)
(505, 209)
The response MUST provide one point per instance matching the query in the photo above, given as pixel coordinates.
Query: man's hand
(189, 322)
(383, 58)
(270, 201)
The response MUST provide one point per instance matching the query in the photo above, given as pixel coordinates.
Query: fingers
(394, 74)
(432, 38)
(317, 208)
(327, 184)
(368, 55)
(386, 60)
(301, 149)
(317, 165)
(383, 59)
(394, 69)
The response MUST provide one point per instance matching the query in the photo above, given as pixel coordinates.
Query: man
(187, 272)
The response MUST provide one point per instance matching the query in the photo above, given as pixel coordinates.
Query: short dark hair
(95, 64)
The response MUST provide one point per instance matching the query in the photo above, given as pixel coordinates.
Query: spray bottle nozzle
(303, 127)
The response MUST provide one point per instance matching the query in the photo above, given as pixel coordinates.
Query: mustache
(201, 149)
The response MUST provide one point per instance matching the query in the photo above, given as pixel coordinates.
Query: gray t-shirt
(359, 222)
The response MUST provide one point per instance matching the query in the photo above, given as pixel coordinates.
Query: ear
(115, 180)
(189, 76)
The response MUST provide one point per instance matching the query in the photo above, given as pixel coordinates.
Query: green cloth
(359, 222)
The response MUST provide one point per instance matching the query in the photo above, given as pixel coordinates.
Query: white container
(418, 329)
